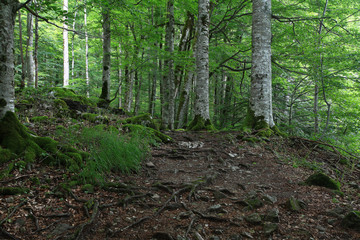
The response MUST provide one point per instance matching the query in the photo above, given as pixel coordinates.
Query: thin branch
(22, 5)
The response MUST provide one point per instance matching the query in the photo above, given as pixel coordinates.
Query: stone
(254, 218)
(322, 180)
(150, 165)
(295, 205)
(217, 209)
(272, 215)
(219, 195)
(270, 228)
(269, 199)
(235, 237)
(352, 220)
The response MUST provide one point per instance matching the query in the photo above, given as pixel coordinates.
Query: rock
(295, 205)
(269, 199)
(254, 202)
(217, 209)
(338, 212)
(269, 228)
(272, 215)
(155, 197)
(60, 229)
(253, 218)
(150, 165)
(322, 180)
(162, 236)
(352, 220)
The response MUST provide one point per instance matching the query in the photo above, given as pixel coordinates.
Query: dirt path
(201, 186)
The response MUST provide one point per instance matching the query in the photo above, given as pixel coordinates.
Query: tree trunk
(202, 114)
(105, 93)
(29, 52)
(87, 79)
(23, 66)
(260, 111)
(36, 52)
(7, 21)
(65, 48)
(169, 78)
(72, 45)
(119, 76)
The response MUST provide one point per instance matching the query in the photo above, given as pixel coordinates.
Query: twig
(32, 215)
(7, 234)
(189, 227)
(13, 211)
(93, 216)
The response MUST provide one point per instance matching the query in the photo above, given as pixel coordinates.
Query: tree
(30, 63)
(260, 110)
(105, 92)
(66, 47)
(202, 112)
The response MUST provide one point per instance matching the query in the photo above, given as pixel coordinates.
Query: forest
(187, 119)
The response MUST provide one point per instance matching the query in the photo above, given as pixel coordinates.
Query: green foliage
(110, 151)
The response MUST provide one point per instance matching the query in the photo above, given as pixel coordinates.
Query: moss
(155, 134)
(12, 190)
(35, 180)
(46, 143)
(60, 104)
(39, 119)
(199, 124)
(352, 220)
(320, 179)
(75, 156)
(6, 155)
(92, 117)
(144, 119)
(88, 188)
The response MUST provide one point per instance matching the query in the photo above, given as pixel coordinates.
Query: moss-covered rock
(91, 117)
(352, 220)
(150, 132)
(199, 124)
(6, 155)
(295, 205)
(144, 119)
(12, 190)
(320, 179)
(39, 119)
(88, 188)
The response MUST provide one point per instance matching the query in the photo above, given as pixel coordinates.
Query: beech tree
(260, 110)
(66, 48)
(8, 9)
(201, 111)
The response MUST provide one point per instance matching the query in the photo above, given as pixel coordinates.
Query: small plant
(110, 151)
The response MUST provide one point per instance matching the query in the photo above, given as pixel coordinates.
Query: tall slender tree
(202, 112)
(260, 113)
(65, 47)
(30, 64)
(105, 92)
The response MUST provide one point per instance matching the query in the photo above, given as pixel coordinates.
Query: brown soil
(192, 188)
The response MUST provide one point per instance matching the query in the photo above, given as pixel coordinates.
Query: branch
(22, 5)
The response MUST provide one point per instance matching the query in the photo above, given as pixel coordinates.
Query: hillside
(200, 185)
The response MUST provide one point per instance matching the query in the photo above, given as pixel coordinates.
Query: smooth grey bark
(36, 48)
(119, 76)
(105, 93)
(138, 84)
(65, 48)
(72, 44)
(261, 89)
(8, 10)
(129, 81)
(23, 65)
(169, 78)
(30, 64)
(202, 62)
(87, 78)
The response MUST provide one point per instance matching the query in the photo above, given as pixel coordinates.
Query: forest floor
(200, 186)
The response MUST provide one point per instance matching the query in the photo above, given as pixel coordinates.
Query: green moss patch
(6, 155)
(200, 124)
(320, 179)
(150, 132)
(39, 119)
(12, 190)
(142, 119)
(352, 220)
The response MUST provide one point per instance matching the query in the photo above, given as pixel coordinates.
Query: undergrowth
(109, 152)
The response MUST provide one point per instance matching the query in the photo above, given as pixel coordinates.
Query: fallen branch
(91, 221)
(12, 212)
